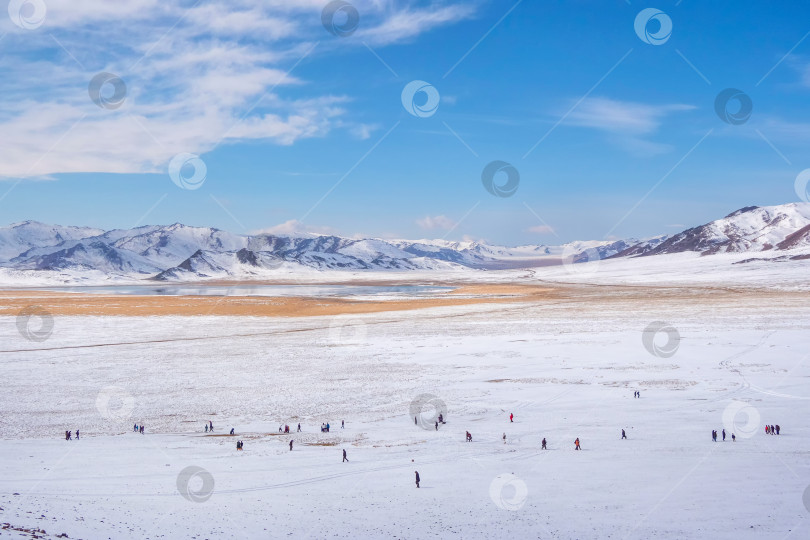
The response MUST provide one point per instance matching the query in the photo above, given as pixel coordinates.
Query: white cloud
(408, 23)
(294, 227)
(436, 222)
(196, 76)
(363, 131)
(622, 116)
(541, 229)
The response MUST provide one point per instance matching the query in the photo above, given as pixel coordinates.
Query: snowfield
(566, 368)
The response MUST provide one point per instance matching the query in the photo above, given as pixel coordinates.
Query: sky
(530, 122)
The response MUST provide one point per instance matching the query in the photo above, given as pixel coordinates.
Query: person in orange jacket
(576, 442)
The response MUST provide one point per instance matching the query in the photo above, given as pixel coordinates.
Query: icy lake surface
(257, 290)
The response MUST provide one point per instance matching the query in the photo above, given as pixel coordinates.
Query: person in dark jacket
(724, 434)
(624, 435)
(291, 445)
(231, 431)
(417, 478)
(777, 429)
(345, 459)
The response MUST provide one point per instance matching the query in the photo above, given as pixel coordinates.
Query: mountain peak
(743, 210)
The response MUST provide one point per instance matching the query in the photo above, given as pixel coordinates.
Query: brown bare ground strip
(618, 296)
(12, 301)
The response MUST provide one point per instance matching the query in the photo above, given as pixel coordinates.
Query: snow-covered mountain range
(179, 252)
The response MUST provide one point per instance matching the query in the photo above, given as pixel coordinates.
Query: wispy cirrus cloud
(198, 74)
(625, 117)
(408, 23)
(629, 124)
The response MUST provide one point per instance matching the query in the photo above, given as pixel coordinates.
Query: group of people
(636, 394)
(714, 436)
(138, 429)
(69, 435)
(240, 445)
(769, 430)
(209, 426)
(325, 428)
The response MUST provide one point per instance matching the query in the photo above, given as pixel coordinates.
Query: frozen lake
(255, 290)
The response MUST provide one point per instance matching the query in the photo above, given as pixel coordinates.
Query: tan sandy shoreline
(62, 303)
(464, 294)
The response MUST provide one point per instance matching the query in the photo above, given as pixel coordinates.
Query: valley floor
(566, 363)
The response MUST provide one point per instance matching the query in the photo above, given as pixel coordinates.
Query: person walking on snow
(576, 442)
(437, 426)
(141, 429)
(733, 438)
(777, 429)
(504, 438)
(299, 427)
(291, 441)
(469, 437)
(342, 424)
(767, 429)
(714, 435)
(210, 426)
(417, 478)
(206, 428)
(344, 456)
(624, 435)
(724, 434)
(544, 443)
(77, 434)
(511, 417)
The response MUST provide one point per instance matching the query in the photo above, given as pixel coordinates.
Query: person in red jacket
(511, 417)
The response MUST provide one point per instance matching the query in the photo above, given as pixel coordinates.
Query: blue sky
(303, 130)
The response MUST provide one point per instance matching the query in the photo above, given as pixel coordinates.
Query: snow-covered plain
(566, 368)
